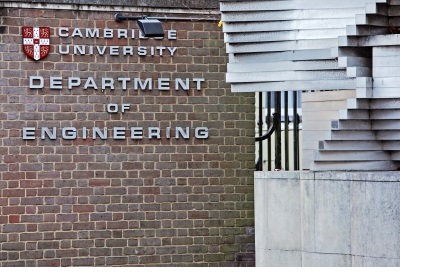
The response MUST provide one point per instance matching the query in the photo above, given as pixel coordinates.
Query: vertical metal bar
(269, 115)
(295, 132)
(278, 131)
(260, 122)
(286, 130)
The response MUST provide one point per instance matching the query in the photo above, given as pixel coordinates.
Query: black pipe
(278, 132)
(295, 132)
(286, 130)
(118, 17)
(260, 122)
(271, 130)
(268, 128)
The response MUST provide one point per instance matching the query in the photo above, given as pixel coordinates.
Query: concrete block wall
(325, 46)
(111, 202)
(319, 109)
(336, 219)
(386, 71)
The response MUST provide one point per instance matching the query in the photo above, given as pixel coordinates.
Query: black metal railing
(276, 123)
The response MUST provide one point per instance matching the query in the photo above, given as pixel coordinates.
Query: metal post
(278, 131)
(286, 130)
(295, 132)
(268, 127)
(260, 122)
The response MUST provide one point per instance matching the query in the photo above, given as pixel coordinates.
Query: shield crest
(36, 42)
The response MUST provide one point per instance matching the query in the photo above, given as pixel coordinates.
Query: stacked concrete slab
(347, 51)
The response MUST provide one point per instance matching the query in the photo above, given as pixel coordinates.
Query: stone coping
(376, 176)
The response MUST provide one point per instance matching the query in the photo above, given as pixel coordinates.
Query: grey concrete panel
(360, 261)
(373, 8)
(244, 77)
(283, 66)
(285, 5)
(284, 35)
(324, 97)
(375, 20)
(391, 145)
(369, 41)
(381, 114)
(324, 115)
(351, 145)
(386, 71)
(332, 217)
(364, 92)
(307, 189)
(392, 176)
(352, 52)
(354, 61)
(376, 219)
(315, 135)
(386, 51)
(244, 27)
(356, 166)
(395, 155)
(316, 125)
(363, 82)
(282, 46)
(387, 103)
(386, 61)
(326, 260)
(283, 215)
(265, 175)
(351, 135)
(260, 206)
(279, 258)
(345, 84)
(353, 114)
(309, 144)
(315, 106)
(359, 72)
(355, 103)
(250, 6)
(387, 82)
(321, 54)
(306, 161)
(348, 156)
(353, 124)
(386, 92)
(354, 30)
(386, 124)
(291, 15)
(388, 135)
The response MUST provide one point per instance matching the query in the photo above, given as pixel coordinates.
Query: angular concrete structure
(346, 52)
(344, 56)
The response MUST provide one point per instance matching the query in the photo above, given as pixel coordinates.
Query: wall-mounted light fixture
(152, 27)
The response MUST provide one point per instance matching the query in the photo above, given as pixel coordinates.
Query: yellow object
(220, 24)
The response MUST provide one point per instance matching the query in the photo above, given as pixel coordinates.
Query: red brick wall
(184, 202)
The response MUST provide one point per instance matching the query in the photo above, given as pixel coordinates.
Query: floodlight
(151, 28)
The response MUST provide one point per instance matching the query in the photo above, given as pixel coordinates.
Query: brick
(116, 243)
(48, 245)
(66, 253)
(49, 263)
(13, 246)
(15, 228)
(83, 208)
